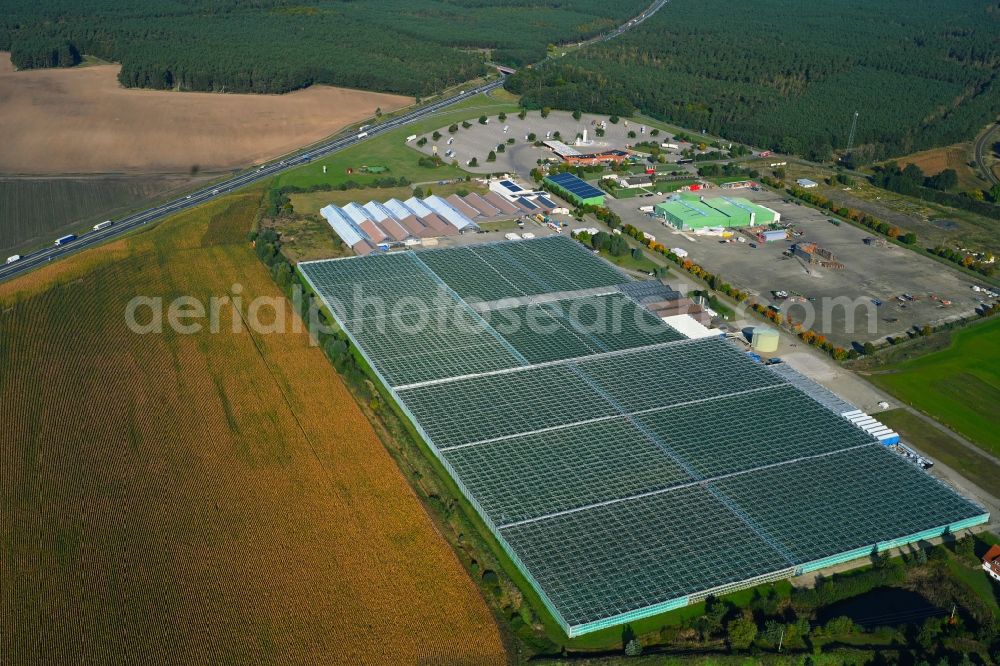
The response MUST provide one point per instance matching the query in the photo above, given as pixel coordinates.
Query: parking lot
(843, 301)
(521, 157)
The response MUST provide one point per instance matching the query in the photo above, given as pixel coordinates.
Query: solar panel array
(575, 185)
(625, 470)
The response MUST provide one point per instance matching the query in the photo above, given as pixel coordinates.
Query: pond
(883, 606)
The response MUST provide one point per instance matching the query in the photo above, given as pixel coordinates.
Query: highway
(981, 143)
(341, 141)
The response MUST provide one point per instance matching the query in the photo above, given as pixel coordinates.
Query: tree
(577, 115)
(452, 128)
(492, 157)
(436, 135)
(614, 119)
(473, 162)
(995, 194)
(531, 137)
(466, 124)
(741, 633)
(522, 113)
(483, 120)
(631, 134)
(378, 112)
(546, 111)
(654, 132)
(502, 117)
(418, 192)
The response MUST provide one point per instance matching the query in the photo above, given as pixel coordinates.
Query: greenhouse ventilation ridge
(625, 469)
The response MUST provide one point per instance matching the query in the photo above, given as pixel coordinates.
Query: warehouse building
(575, 190)
(689, 212)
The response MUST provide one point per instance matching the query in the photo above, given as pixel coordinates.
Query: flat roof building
(575, 189)
(690, 212)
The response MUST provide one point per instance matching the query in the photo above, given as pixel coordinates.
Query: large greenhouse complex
(624, 468)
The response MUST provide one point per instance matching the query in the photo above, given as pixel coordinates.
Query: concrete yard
(841, 302)
(521, 157)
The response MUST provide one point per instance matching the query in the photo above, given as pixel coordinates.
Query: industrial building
(626, 472)
(381, 225)
(806, 183)
(689, 212)
(575, 189)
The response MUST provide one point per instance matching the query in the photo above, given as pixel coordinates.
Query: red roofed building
(590, 159)
(991, 562)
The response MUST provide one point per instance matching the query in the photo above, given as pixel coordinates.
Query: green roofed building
(575, 190)
(691, 212)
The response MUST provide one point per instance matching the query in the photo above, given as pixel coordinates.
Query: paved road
(340, 142)
(981, 144)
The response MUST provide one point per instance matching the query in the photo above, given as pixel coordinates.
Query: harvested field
(956, 157)
(34, 210)
(203, 498)
(70, 121)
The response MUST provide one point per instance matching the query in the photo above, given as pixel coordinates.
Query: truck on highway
(13, 258)
(103, 225)
(65, 239)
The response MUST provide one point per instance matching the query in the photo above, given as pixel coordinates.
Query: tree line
(788, 77)
(412, 47)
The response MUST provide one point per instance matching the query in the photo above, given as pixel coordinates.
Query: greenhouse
(625, 469)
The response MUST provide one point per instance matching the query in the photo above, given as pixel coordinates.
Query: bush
(741, 633)
(436, 136)
(577, 115)
(522, 113)
(492, 157)
(546, 111)
(502, 117)
(452, 128)
(483, 120)
(614, 120)
(466, 124)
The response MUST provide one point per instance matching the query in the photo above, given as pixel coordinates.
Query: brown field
(204, 498)
(82, 121)
(955, 157)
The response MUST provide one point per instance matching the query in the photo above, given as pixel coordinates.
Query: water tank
(764, 339)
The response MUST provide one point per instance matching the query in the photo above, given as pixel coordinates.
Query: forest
(789, 76)
(413, 47)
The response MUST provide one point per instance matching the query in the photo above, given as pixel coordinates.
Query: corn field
(206, 498)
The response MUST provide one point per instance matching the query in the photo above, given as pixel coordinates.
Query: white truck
(103, 225)
(13, 258)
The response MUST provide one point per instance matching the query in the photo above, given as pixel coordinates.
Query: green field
(959, 386)
(35, 211)
(390, 149)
